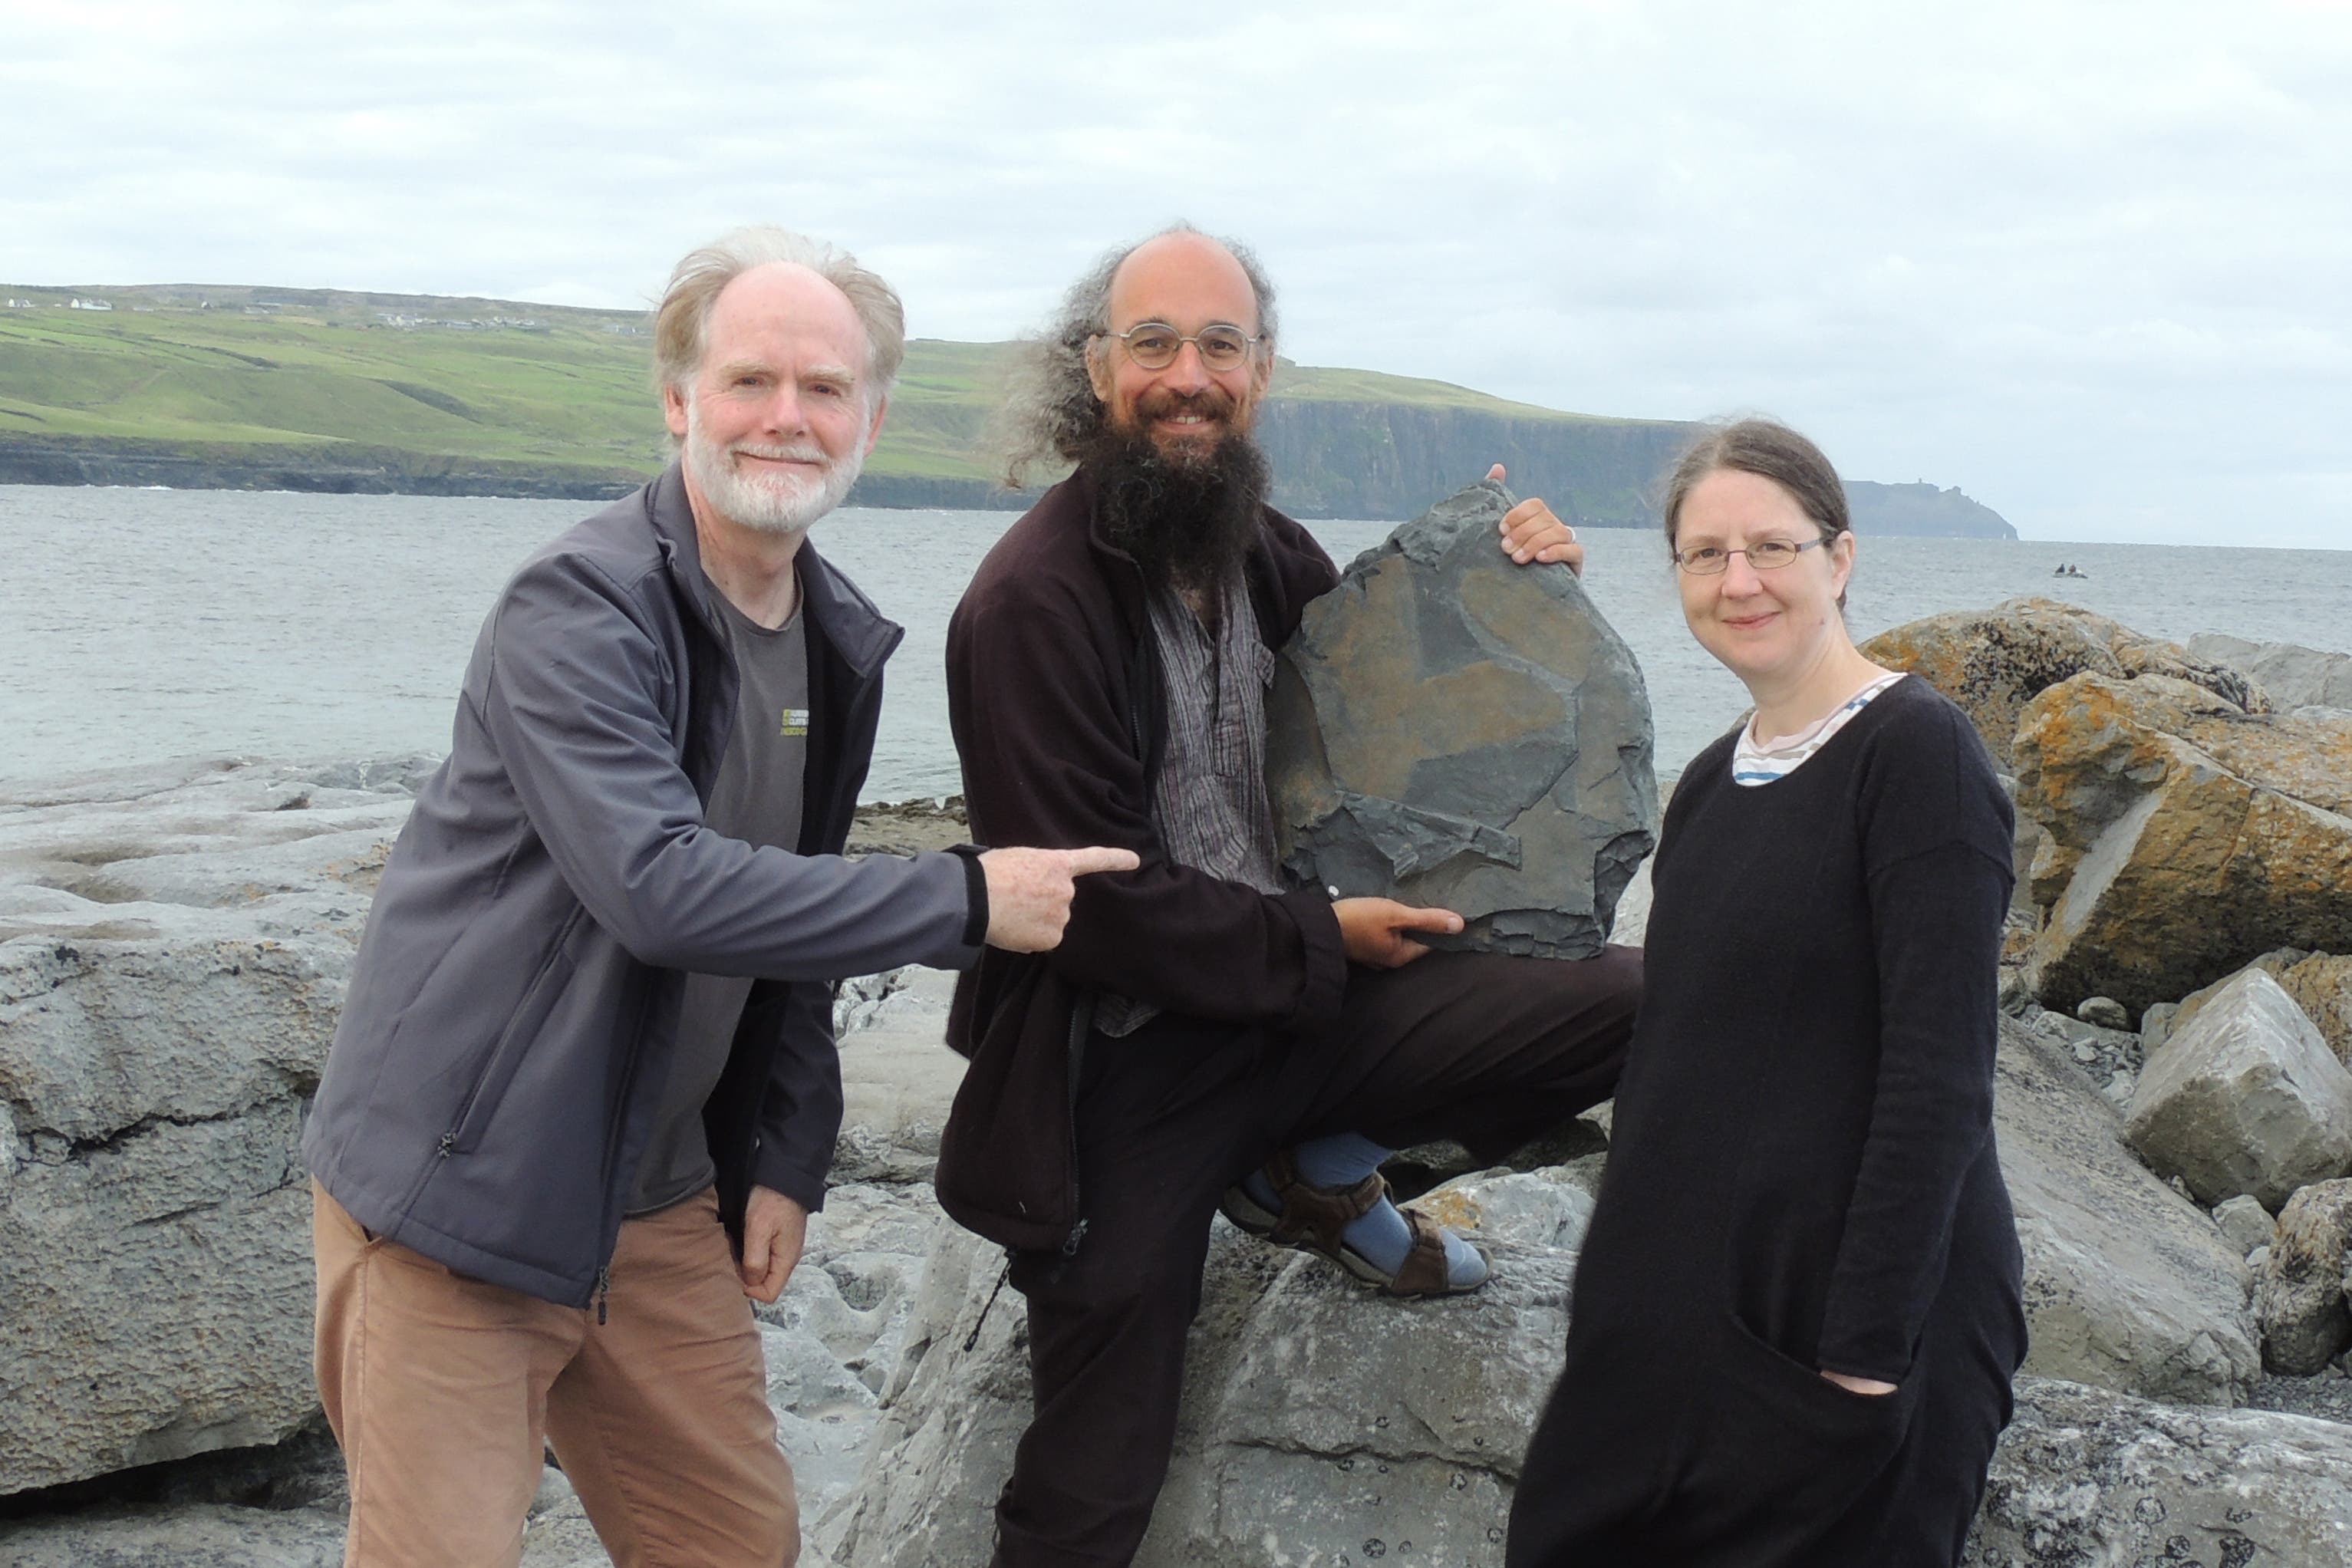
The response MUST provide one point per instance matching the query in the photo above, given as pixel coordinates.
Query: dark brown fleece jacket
(1057, 707)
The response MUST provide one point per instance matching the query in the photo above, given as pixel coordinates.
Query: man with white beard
(584, 1095)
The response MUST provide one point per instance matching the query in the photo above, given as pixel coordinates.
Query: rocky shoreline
(174, 941)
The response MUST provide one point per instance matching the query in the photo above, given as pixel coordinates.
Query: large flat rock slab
(174, 948)
(1449, 728)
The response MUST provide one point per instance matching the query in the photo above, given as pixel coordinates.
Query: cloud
(2086, 261)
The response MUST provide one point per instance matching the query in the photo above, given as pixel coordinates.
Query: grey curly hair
(1050, 411)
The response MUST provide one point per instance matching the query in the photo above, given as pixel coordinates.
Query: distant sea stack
(1920, 510)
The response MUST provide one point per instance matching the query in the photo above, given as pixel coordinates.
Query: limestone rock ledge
(173, 948)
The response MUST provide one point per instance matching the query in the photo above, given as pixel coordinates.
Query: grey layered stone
(2128, 1284)
(2306, 1321)
(2293, 675)
(2246, 1098)
(2087, 1479)
(2244, 1223)
(1449, 728)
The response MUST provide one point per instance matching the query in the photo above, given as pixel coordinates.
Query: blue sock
(1380, 1233)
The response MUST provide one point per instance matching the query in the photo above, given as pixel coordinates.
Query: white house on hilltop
(88, 305)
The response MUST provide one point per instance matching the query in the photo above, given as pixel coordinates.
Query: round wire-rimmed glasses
(1764, 556)
(1154, 345)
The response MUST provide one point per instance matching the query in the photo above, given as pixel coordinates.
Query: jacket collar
(858, 634)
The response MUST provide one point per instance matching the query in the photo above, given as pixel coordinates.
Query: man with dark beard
(1206, 1036)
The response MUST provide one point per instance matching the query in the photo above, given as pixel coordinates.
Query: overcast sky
(2092, 262)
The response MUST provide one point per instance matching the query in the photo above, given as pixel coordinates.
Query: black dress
(1801, 1177)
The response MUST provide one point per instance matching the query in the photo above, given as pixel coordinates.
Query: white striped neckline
(1755, 762)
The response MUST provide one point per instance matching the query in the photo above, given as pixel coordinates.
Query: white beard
(770, 502)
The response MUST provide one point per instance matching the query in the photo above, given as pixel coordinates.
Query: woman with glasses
(1798, 1310)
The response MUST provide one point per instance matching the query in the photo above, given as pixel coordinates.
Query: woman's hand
(1869, 1385)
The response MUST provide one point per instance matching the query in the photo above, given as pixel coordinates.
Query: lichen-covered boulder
(2321, 986)
(2128, 1285)
(1449, 728)
(1992, 663)
(2183, 836)
(2247, 1098)
(2300, 1294)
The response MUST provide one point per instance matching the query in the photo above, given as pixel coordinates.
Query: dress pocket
(1784, 1451)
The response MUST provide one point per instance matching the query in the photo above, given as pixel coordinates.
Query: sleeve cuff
(778, 1171)
(975, 884)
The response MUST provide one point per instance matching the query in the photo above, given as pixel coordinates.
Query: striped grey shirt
(1210, 802)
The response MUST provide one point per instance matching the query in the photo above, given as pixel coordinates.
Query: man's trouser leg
(1487, 1050)
(661, 1422)
(1164, 1124)
(442, 1391)
(437, 1388)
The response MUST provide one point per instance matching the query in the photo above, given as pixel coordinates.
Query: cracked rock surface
(173, 948)
(1449, 728)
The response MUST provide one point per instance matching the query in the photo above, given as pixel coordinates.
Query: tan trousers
(443, 1392)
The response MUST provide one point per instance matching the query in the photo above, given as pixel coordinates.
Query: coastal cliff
(314, 390)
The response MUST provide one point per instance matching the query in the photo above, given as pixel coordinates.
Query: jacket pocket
(514, 1041)
(1785, 1451)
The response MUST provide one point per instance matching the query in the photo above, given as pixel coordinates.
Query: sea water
(139, 625)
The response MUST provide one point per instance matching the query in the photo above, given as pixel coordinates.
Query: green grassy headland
(255, 387)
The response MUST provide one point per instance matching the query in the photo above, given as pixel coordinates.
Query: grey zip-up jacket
(512, 1012)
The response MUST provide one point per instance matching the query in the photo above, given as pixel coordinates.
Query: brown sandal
(1313, 1219)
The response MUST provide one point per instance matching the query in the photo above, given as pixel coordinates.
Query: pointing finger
(1081, 862)
(1445, 921)
(1496, 473)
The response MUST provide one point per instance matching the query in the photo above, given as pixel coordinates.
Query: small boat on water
(2071, 571)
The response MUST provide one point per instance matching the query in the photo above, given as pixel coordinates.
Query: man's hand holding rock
(1029, 891)
(1374, 930)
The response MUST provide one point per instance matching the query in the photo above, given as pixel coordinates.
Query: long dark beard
(1189, 524)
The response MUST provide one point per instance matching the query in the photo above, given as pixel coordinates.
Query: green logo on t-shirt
(796, 723)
